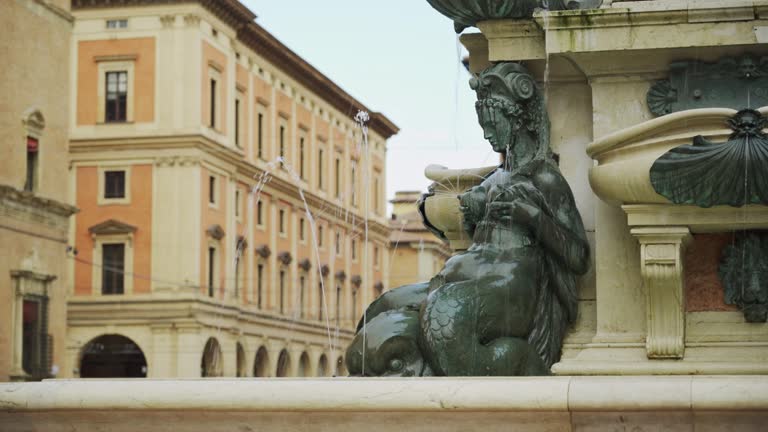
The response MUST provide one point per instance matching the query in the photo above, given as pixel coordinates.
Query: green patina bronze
(744, 273)
(707, 174)
(502, 307)
(730, 83)
(467, 13)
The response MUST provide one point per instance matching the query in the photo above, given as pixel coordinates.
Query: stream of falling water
(545, 16)
(361, 120)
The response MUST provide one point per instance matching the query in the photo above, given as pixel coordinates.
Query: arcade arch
(261, 363)
(283, 364)
(211, 364)
(112, 356)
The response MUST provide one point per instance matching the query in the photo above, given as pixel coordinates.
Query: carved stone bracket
(305, 264)
(325, 270)
(661, 261)
(215, 231)
(263, 251)
(285, 258)
(167, 20)
(356, 280)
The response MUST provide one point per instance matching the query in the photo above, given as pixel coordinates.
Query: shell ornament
(708, 174)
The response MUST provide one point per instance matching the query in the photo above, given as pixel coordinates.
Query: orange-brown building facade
(198, 143)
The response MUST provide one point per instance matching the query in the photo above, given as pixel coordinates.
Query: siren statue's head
(510, 108)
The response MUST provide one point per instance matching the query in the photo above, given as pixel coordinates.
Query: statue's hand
(472, 204)
(516, 212)
(524, 192)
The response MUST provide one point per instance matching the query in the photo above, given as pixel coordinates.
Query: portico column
(661, 261)
(16, 330)
(163, 351)
(295, 353)
(189, 351)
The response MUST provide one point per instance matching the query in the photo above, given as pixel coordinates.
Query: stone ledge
(545, 404)
(564, 394)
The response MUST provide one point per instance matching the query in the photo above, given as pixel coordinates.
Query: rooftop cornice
(232, 12)
(263, 42)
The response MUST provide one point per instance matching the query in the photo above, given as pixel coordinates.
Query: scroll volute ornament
(285, 258)
(305, 264)
(264, 251)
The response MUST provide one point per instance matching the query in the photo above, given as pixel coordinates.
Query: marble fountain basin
(624, 158)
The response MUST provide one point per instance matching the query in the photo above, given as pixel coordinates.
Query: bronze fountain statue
(500, 308)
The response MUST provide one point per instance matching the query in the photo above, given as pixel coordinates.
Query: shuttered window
(113, 269)
(117, 96)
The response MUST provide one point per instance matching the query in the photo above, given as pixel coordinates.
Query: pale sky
(399, 57)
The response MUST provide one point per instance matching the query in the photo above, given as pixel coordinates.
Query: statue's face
(497, 129)
(390, 347)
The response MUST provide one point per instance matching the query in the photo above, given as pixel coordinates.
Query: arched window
(303, 365)
(283, 364)
(261, 363)
(211, 362)
(340, 369)
(112, 356)
(241, 369)
(322, 366)
(34, 123)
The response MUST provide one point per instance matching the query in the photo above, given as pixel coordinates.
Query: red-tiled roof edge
(265, 44)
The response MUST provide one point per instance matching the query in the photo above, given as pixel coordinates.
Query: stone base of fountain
(643, 403)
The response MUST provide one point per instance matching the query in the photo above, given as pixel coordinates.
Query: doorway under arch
(261, 363)
(112, 356)
(303, 365)
(211, 361)
(322, 366)
(242, 370)
(340, 368)
(283, 364)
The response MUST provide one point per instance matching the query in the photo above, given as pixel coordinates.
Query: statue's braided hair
(509, 89)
